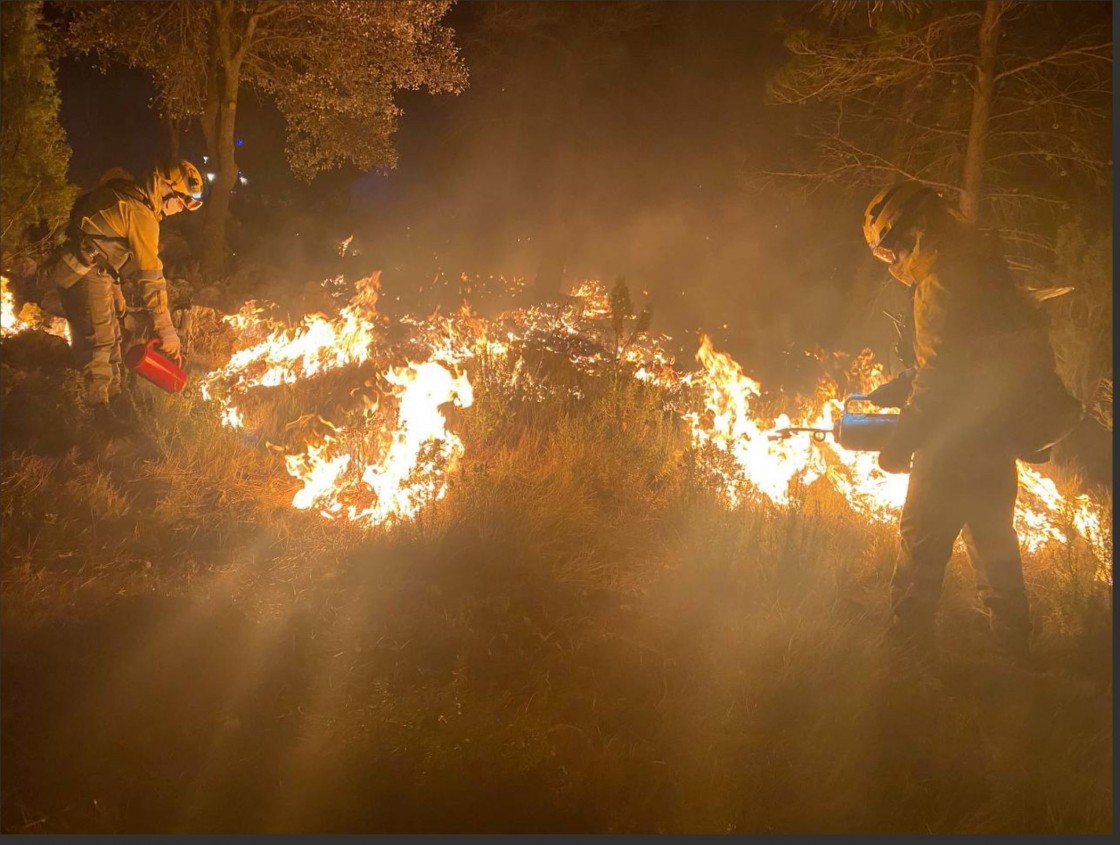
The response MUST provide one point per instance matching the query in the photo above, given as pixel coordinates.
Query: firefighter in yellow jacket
(113, 235)
(984, 394)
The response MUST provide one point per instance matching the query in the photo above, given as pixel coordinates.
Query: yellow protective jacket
(119, 220)
(985, 381)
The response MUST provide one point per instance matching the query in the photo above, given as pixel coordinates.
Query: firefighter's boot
(106, 424)
(123, 409)
(111, 423)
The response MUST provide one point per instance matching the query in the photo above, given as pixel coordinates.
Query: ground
(578, 637)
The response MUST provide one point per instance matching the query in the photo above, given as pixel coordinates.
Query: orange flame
(398, 456)
(411, 468)
(1042, 513)
(412, 452)
(30, 317)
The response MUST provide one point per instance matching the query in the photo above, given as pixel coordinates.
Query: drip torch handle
(855, 397)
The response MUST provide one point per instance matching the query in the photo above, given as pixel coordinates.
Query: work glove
(168, 337)
(895, 392)
(895, 457)
(169, 343)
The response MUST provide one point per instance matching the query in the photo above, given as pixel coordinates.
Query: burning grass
(29, 316)
(583, 632)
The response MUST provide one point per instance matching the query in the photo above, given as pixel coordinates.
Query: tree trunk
(209, 122)
(981, 108)
(224, 84)
(172, 138)
(209, 117)
(214, 227)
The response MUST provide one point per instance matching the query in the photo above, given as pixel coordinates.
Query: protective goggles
(190, 201)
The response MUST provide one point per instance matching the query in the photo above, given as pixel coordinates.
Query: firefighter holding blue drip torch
(983, 394)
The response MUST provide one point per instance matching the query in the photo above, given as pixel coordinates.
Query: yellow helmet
(183, 180)
(890, 208)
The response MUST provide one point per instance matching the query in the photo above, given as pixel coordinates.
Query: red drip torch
(160, 370)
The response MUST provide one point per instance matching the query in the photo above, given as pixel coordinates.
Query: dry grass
(578, 637)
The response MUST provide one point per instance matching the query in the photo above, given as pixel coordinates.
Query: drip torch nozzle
(818, 434)
(854, 431)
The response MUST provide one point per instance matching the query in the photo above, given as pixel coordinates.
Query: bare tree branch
(1083, 52)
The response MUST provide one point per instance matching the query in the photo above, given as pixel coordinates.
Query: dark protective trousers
(947, 497)
(95, 333)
